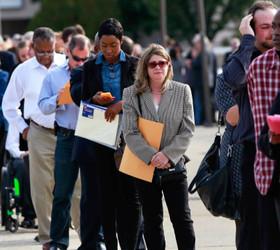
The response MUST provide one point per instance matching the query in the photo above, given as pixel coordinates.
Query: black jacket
(270, 150)
(85, 82)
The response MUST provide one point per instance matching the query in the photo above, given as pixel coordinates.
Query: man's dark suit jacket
(85, 82)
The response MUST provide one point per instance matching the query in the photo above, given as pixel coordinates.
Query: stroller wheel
(12, 225)
(4, 196)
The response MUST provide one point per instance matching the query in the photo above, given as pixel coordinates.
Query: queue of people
(75, 181)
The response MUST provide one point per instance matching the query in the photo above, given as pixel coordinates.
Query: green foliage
(62, 13)
(140, 16)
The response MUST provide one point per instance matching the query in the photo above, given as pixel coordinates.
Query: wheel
(4, 195)
(12, 225)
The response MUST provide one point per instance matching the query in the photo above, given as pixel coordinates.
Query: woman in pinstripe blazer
(169, 102)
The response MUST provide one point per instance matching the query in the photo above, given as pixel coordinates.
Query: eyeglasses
(161, 64)
(77, 58)
(44, 53)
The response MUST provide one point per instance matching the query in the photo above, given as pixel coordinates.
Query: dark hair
(43, 33)
(21, 44)
(111, 26)
(79, 41)
(71, 31)
(127, 45)
(260, 5)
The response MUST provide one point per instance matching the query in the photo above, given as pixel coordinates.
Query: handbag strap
(139, 104)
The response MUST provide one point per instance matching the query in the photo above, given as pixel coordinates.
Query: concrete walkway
(212, 233)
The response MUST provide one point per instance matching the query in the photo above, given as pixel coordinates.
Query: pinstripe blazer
(175, 111)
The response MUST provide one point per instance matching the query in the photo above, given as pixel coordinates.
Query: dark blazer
(85, 82)
(92, 78)
(270, 150)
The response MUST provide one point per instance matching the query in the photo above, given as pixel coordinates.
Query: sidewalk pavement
(212, 233)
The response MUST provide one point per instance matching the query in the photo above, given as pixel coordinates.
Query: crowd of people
(73, 181)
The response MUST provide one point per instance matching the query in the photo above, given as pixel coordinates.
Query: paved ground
(212, 233)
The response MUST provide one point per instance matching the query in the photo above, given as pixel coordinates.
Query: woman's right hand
(160, 160)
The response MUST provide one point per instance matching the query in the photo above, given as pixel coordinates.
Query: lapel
(165, 100)
(148, 103)
(124, 73)
(98, 74)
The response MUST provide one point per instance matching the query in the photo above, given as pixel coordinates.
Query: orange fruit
(106, 95)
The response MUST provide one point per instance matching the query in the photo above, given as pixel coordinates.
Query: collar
(55, 62)
(275, 60)
(100, 58)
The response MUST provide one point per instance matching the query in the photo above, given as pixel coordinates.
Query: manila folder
(131, 164)
(65, 97)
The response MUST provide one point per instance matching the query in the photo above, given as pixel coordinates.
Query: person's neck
(156, 87)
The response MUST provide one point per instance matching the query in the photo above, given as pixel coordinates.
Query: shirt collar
(100, 58)
(54, 63)
(275, 62)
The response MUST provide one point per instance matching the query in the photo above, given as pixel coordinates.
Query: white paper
(94, 127)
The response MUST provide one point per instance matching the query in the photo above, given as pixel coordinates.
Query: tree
(143, 16)
(61, 13)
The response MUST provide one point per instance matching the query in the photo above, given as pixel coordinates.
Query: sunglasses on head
(78, 59)
(161, 64)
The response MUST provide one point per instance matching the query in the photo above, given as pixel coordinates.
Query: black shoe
(28, 223)
(57, 248)
(37, 238)
(100, 246)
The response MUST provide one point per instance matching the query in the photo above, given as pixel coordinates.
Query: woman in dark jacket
(111, 71)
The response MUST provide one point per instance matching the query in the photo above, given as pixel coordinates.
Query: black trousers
(120, 203)
(258, 227)
(90, 205)
(21, 171)
(249, 238)
(176, 197)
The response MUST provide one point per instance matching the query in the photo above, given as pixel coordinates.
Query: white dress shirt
(12, 142)
(25, 83)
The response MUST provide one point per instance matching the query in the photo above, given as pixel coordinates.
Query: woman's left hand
(112, 111)
(160, 160)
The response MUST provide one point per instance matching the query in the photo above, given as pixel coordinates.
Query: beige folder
(65, 97)
(131, 164)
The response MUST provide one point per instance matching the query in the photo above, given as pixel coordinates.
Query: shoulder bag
(214, 183)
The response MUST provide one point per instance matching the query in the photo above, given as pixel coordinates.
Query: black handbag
(214, 183)
(174, 173)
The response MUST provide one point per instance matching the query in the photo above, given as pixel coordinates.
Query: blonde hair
(142, 78)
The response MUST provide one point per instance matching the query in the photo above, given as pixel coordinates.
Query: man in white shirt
(25, 83)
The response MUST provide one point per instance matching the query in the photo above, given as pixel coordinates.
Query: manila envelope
(65, 96)
(131, 164)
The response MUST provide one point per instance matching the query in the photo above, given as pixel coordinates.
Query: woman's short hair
(111, 26)
(142, 77)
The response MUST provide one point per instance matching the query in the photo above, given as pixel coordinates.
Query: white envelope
(92, 125)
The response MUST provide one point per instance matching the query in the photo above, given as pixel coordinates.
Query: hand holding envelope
(131, 164)
(64, 96)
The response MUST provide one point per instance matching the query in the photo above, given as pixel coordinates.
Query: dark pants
(176, 197)
(65, 175)
(268, 214)
(120, 203)
(249, 238)
(21, 172)
(90, 206)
